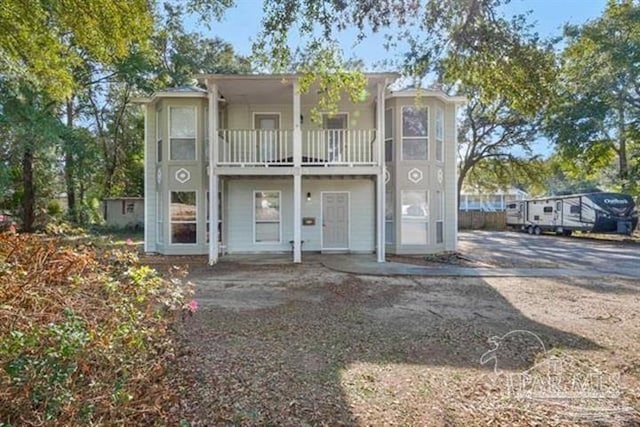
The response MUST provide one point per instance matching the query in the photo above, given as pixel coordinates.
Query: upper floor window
(439, 135)
(415, 131)
(158, 136)
(388, 135)
(182, 133)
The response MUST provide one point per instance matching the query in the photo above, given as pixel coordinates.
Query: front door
(335, 221)
(335, 126)
(267, 144)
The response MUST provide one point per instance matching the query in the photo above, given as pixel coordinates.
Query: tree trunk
(68, 166)
(464, 170)
(28, 187)
(622, 148)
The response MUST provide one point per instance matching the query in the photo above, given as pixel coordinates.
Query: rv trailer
(592, 212)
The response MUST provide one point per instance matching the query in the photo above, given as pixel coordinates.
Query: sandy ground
(304, 345)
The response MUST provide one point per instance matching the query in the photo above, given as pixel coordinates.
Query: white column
(454, 185)
(147, 182)
(213, 177)
(380, 191)
(297, 176)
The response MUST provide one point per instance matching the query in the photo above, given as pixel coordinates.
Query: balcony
(274, 147)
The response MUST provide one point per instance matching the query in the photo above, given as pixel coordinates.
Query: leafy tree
(595, 117)
(566, 177)
(30, 131)
(464, 42)
(495, 146)
(35, 36)
(181, 54)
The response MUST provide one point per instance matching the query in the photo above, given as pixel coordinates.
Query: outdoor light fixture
(308, 197)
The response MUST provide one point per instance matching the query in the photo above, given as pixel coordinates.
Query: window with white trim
(182, 133)
(219, 217)
(266, 216)
(159, 134)
(439, 135)
(159, 218)
(388, 135)
(206, 135)
(414, 227)
(415, 133)
(389, 230)
(439, 213)
(184, 217)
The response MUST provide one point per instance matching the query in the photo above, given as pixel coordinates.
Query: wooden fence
(473, 220)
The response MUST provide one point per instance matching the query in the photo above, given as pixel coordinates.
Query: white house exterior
(490, 201)
(378, 176)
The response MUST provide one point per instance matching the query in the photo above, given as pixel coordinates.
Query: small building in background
(124, 212)
(477, 200)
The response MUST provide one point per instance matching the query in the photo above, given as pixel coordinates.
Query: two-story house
(241, 168)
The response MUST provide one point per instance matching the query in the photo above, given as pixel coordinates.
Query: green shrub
(85, 336)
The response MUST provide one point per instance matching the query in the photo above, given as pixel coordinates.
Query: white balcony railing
(338, 147)
(255, 147)
(320, 147)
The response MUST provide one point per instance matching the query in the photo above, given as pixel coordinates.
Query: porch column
(297, 176)
(380, 184)
(213, 176)
(147, 185)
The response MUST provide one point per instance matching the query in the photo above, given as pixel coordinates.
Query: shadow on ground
(279, 345)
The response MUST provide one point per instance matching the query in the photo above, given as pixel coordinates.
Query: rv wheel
(530, 229)
(566, 233)
(537, 230)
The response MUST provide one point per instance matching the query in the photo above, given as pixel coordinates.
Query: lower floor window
(184, 225)
(266, 216)
(219, 217)
(414, 228)
(439, 214)
(389, 233)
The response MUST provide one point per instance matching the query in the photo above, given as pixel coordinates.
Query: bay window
(415, 131)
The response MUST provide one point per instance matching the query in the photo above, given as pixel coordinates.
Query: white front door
(335, 221)
(335, 126)
(268, 146)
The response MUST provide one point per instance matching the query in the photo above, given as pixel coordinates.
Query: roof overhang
(276, 88)
(168, 94)
(417, 93)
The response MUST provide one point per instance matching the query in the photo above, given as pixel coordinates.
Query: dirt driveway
(514, 248)
(304, 345)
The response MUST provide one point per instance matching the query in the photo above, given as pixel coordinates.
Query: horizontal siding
(241, 209)
(239, 226)
(240, 116)
(362, 227)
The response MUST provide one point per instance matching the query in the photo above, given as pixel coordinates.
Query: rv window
(511, 206)
(547, 209)
(558, 206)
(574, 209)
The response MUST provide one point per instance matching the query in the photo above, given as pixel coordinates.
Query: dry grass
(306, 346)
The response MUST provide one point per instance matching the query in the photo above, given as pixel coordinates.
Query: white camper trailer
(593, 212)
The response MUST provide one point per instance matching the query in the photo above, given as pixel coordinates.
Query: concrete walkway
(367, 265)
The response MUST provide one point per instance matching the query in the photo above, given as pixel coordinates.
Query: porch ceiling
(276, 89)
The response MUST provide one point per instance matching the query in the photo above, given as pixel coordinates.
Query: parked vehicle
(593, 212)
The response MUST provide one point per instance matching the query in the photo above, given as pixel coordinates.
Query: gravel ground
(303, 345)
